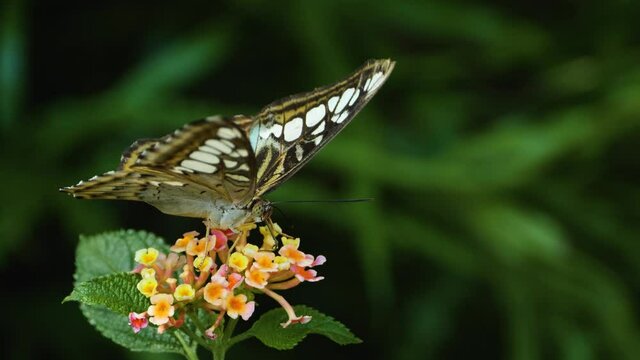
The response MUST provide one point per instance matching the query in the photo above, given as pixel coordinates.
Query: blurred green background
(502, 154)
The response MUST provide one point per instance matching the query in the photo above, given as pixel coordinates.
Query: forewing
(288, 132)
(213, 153)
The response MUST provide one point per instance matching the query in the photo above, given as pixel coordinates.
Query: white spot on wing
(242, 152)
(181, 169)
(376, 81)
(219, 145)
(204, 157)
(354, 97)
(228, 133)
(332, 103)
(198, 166)
(319, 129)
(315, 115)
(237, 177)
(338, 118)
(230, 163)
(276, 130)
(366, 84)
(209, 149)
(173, 183)
(317, 140)
(346, 96)
(299, 152)
(293, 129)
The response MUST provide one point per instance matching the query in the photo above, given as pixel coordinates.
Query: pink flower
(220, 239)
(320, 259)
(305, 275)
(138, 321)
(238, 305)
(235, 280)
(295, 256)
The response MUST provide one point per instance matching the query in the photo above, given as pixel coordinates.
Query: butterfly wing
(182, 173)
(212, 152)
(288, 132)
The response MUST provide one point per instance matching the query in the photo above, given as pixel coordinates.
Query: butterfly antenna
(286, 218)
(323, 201)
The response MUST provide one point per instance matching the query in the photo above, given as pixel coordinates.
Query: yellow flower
(147, 286)
(184, 292)
(238, 261)
(250, 250)
(146, 256)
(282, 262)
(203, 264)
(295, 243)
(268, 242)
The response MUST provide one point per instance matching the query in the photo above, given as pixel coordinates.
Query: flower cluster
(220, 272)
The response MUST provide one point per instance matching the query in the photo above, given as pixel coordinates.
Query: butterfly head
(261, 210)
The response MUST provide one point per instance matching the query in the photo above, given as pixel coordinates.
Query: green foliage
(115, 327)
(268, 330)
(108, 293)
(112, 252)
(117, 292)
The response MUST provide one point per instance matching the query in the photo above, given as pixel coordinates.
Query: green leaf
(268, 330)
(117, 292)
(112, 252)
(116, 328)
(108, 293)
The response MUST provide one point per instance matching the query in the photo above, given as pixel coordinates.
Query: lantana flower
(216, 291)
(212, 275)
(161, 309)
(148, 286)
(186, 239)
(200, 247)
(184, 292)
(138, 321)
(146, 256)
(238, 261)
(238, 305)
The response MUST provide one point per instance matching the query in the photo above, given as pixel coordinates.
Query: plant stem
(189, 352)
(199, 339)
(228, 330)
(236, 339)
(219, 352)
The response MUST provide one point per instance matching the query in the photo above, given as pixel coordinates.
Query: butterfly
(219, 168)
